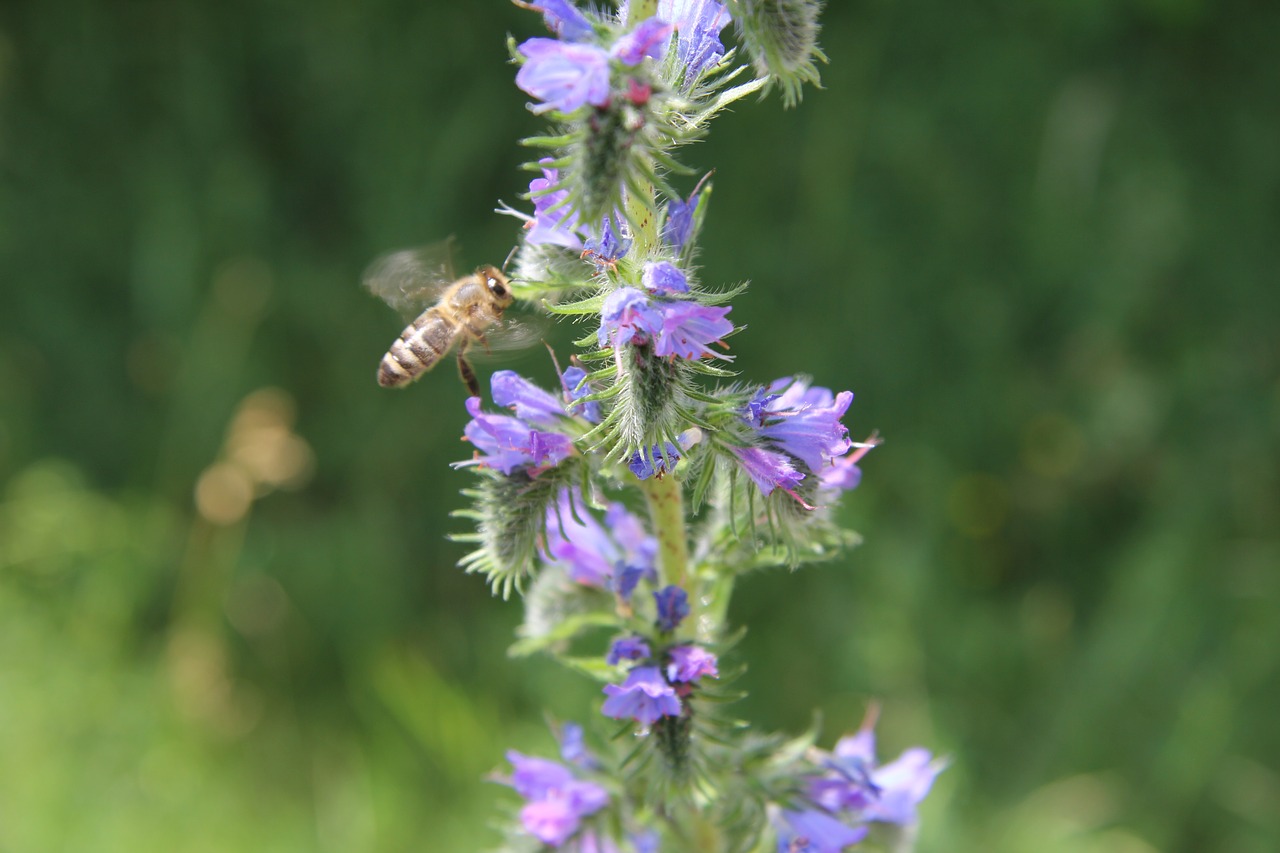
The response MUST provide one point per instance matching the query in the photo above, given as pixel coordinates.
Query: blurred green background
(1038, 239)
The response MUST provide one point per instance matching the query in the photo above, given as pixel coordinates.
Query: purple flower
(574, 381)
(664, 277)
(509, 443)
(853, 784)
(592, 554)
(678, 227)
(844, 473)
(530, 403)
(768, 470)
(899, 786)
(553, 221)
(536, 778)
(649, 39)
(564, 75)
(803, 421)
(673, 607)
(677, 327)
(563, 19)
(630, 576)
(628, 316)
(627, 648)
(645, 696)
(756, 411)
(689, 663)
(814, 831)
(573, 747)
(557, 800)
(658, 461)
(688, 327)
(699, 23)
(612, 244)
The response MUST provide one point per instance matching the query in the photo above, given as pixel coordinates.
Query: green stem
(641, 9)
(666, 509)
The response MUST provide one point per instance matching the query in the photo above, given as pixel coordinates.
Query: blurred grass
(1037, 239)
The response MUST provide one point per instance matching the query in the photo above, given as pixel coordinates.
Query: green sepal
(564, 631)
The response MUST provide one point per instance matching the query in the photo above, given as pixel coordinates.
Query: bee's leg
(467, 373)
(484, 342)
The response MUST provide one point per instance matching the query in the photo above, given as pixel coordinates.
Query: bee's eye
(496, 288)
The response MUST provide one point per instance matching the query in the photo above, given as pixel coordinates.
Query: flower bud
(781, 36)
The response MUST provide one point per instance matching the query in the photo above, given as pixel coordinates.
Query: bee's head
(497, 285)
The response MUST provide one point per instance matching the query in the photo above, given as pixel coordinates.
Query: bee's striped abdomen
(419, 347)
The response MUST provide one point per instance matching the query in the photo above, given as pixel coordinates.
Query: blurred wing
(509, 335)
(411, 279)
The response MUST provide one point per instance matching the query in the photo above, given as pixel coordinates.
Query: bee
(465, 310)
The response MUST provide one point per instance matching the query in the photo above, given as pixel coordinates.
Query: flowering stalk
(734, 475)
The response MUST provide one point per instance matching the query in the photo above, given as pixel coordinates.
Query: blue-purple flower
(698, 23)
(664, 277)
(568, 75)
(626, 581)
(575, 388)
(673, 607)
(768, 469)
(553, 222)
(896, 788)
(802, 420)
(851, 789)
(677, 230)
(689, 663)
(563, 75)
(657, 461)
(648, 40)
(628, 316)
(688, 328)
(562, 18)
(598, 555)
(530, 403)
(799, 422)
(556, 800)
(611, 245)
(645, 697)
(627, 648)
(814, 831)
(509, 444)
(527, 441)
(573, 747)
(679, 328)
(844, 473)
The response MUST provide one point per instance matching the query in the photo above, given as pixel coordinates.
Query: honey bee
(465, 310)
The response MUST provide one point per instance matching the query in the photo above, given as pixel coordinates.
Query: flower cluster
(676, 328)
(560, 801)
(849, 790)
(556, 801)
(653, 690)
(627, 502)
(626, 91)
(798, 432)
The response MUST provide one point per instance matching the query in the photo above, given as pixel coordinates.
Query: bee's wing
(411, 279)
(510, 334)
